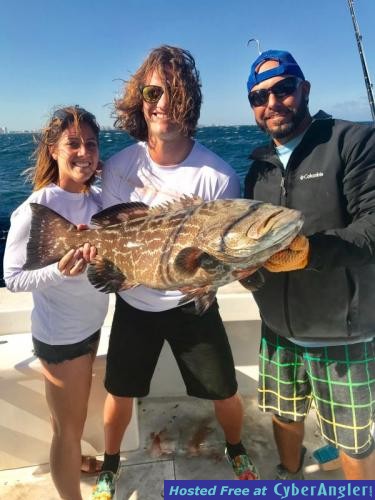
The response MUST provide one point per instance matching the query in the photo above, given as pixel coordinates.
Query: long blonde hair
(45, 170)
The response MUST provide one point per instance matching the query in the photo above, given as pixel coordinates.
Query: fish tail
(49, 239)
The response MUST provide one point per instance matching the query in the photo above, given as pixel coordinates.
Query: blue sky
(77, 51)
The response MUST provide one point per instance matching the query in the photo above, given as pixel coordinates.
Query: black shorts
(199, 344)
(59, 353)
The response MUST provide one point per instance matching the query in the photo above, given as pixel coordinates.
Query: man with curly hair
(160, 108)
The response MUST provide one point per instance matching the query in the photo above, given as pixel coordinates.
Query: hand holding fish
(294, 257)
(88, 251)
(72, 263)
(75, 261)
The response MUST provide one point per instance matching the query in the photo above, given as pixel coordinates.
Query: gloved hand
(294, 257)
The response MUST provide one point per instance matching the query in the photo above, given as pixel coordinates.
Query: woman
(68, 311)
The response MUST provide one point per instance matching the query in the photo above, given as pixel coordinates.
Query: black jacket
(330, 178)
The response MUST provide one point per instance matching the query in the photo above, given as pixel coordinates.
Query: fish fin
(253, 282)
(45, 245)
(203, 302)
(176, 205)
(120, 213)
(188, 260)
(126, 286)
(202, 297)
(190, 200)
(106, 276)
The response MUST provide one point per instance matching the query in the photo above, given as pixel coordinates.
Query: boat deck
(178, 436)
(179, 439)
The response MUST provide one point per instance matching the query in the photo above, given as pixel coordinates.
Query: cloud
(356, 109)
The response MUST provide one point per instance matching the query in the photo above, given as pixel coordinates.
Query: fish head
(251, 230)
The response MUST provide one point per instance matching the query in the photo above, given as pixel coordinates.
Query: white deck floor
(179, 437)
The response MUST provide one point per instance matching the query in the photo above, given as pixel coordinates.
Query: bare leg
(229, 413)
(67, 386)
(117, 414)
(358, 468)
(288, 438)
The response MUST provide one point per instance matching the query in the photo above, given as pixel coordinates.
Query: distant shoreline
(108, 128)
(113, 129)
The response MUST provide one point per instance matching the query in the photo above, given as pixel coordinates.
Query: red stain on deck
(198, 438)
(163, 445)
(160, 444)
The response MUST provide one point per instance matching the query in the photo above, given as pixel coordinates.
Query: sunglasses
(151, 93)
(280, 90)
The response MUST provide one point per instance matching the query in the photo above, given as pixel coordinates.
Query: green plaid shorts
(340, 380)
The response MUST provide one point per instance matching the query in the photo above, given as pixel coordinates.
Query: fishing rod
(257, 42)
(369, 86)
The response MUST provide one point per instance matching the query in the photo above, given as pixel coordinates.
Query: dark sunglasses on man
(151, 93)
(280, 90)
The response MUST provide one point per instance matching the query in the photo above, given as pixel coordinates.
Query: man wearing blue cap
(317, 303)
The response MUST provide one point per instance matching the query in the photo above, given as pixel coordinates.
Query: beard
(286, 129)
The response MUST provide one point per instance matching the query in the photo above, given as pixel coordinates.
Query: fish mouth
(279, 230)
(275, 230)
(267, 224)
(288, 232)
(272, 223)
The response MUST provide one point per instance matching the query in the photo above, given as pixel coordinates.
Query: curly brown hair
(45, 170)
(176, 68)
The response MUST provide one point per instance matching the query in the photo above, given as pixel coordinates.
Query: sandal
(91, 465)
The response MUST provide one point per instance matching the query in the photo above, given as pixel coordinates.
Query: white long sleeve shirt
(131, 175)
(66, 309)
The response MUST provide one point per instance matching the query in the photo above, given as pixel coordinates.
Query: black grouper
(188, 245)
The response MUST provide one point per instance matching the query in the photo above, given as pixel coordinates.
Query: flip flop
(91, 465)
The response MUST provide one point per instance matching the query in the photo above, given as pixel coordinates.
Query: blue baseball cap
(287, 66)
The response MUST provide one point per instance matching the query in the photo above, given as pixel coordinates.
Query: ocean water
(233, 143)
